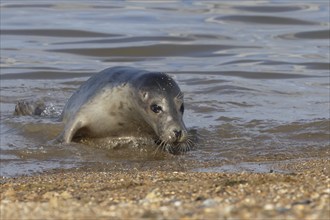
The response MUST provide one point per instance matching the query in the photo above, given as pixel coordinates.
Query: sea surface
(255, 75)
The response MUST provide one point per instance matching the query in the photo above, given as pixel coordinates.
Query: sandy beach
(301, 193)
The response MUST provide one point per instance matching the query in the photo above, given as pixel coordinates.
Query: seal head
(161, 105)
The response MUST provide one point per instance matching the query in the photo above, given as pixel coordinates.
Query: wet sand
(301, 193)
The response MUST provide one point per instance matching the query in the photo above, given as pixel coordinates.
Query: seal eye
(182, 108)
(156, 108)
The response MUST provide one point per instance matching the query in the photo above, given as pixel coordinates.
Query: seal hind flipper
(29, 107)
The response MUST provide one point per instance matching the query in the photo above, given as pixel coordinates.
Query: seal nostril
(177, 133)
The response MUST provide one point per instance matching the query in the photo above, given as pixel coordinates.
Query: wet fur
(116, 102)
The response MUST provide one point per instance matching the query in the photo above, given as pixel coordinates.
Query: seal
(123, 102)
(127, 102)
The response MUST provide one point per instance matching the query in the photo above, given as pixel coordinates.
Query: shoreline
(302, 193)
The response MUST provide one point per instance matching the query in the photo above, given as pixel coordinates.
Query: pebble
(177, 203)
(209, 202)
(269, 207)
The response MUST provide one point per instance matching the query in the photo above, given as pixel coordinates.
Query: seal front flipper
(71, 130)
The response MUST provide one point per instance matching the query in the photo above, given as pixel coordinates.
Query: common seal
(127, 102)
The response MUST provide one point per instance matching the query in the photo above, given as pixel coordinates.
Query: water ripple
(157, 50)
(269, 20)
(312, 35)
(55, 33)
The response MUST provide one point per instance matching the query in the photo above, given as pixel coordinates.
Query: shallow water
(255, 76)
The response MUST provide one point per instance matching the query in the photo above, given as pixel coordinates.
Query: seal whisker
(167, 147)
(161, 145)
(174, 147)
(157, 149)
(164, 145)
(180, 147)
(189, 140)
(188, 145)
(191, 143)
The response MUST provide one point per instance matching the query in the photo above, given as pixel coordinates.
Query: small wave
(257, 19)
(313, 35)
(56, 33)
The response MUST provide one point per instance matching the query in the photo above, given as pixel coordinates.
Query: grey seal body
(126, 102)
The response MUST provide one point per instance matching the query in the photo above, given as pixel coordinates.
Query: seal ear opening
(144, 95)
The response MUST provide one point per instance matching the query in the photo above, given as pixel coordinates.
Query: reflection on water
(255, 77)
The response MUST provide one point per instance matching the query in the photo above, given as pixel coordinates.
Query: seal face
(126, 102)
